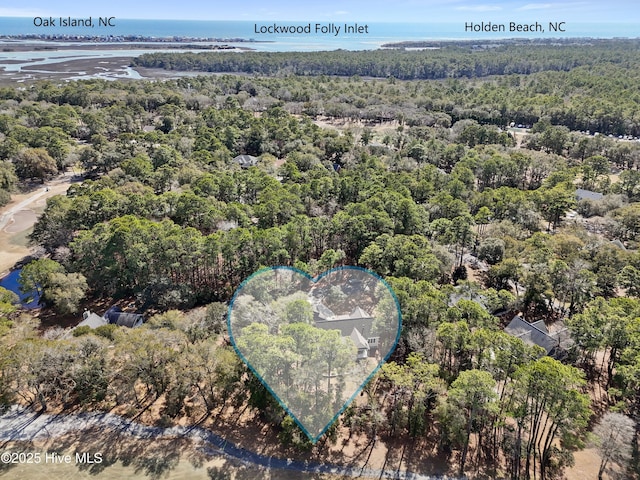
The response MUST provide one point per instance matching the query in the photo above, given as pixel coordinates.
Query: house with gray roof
(361, 344)
(582, 194)
(92, 320)
(246, 161)
(555, 344)
(357, 325)
(113, 316)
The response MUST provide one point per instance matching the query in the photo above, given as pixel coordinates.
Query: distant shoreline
(496, 42)
(124, 38)
(59, 45)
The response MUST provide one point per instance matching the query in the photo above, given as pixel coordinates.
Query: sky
(418, 11)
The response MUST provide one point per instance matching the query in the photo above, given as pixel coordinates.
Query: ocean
(376, 34)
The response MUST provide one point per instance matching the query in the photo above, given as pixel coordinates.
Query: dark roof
(123, 319)
(540, 325)
(517, 326)
(532, 333)
(114, 309)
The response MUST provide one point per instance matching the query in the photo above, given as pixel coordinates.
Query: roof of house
(123, 319)
(355, 314)
(358, 339)
(540, 325)
(534, 333)
(582, 194)
(359, 313)
(358, 318)
(113, 310)
(518, 326)
(246, 160)
(324, 312)
(92, 320)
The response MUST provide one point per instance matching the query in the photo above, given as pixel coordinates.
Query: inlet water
(10, 282)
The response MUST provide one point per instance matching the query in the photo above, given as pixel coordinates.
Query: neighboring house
(357, 325)
(587, 195)
(92, 320)
(246, 161)
(555, 344)
(113, 316)
(116, 316)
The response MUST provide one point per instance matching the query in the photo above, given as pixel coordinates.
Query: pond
(10, 282)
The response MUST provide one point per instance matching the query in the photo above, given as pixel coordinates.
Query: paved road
(21, 424)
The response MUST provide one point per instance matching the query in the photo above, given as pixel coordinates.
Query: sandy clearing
(587, 463)
(21, 221)
(20, 215)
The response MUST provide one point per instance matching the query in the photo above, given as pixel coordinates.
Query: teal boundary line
(311, 437)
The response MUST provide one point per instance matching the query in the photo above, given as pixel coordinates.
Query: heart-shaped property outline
(314, 280)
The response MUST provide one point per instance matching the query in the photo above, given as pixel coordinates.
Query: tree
(90, 370)
(35, 276)
(629, 278)
(614, 436)
(298, 311)
(547, 404)
(474, 393)
(66, 290)
(55, 226)
(8, 179)
(629, 218)
(491, 250)
(35, 163)
(53, 284)
(209, 324)
(504, 273)
(42, 372)
(214, 372)
(415, 388)
(139, 167)
(402, 256)
(554, 202)
(292, 435)
(462, 235)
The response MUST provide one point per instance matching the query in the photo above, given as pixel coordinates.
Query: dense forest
(446, 61)
(592, 86)
(421, 181)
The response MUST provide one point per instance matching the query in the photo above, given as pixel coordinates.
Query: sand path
(23, 425)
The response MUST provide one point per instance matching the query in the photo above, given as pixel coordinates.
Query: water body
(10, 282)
(19, 66)
(378, 33)
(48, 57)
